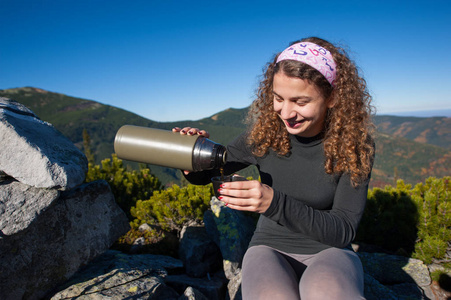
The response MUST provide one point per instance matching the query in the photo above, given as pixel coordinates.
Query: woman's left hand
(246, 195)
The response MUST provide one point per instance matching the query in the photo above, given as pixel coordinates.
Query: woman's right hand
(191, 131)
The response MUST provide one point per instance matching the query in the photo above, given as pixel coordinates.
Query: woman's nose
(286, 111)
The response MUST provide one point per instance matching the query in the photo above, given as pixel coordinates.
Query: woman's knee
(333, 275)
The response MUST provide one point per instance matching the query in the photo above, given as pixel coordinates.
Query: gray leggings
(330, 274)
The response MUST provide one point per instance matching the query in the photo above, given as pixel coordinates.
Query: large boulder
(403, 277)
(21, 204)
(232, 231)
(35, 153)
(115, 275)
(200, 255)
(61, 234)
(394, 269)
(213, 287)
(374, 290)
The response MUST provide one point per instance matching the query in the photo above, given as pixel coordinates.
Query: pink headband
(314, 56)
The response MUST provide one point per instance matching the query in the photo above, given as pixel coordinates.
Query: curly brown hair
(348, 144)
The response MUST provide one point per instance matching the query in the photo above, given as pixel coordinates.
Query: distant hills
(409, 148)
(446, 112)
(432, 130)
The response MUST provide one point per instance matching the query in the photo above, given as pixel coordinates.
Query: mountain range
(408, 148)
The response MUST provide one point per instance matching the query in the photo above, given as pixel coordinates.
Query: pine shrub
(127, 186)
(170, 209)
(434, 224)
(390, 219)
(410, 221)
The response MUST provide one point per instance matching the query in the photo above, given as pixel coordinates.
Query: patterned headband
(314, 56)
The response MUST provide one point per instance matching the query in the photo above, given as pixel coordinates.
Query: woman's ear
(331, 100)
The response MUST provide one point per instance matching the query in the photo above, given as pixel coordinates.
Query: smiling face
(300, 105)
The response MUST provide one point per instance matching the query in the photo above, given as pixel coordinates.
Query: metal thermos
(168, 149)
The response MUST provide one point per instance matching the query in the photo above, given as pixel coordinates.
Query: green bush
(140, 195)
(127, 186)
(390, 219)
(170, 209)
(434, 224)
(412, 222)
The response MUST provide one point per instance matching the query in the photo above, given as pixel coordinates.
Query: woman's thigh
(268, 274)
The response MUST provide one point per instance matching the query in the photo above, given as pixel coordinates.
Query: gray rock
(16, 107)
(213, 288)
(374, 290)
(199, 253)
(234, 288)
(393, 269)
(192, 294)
(408, 291)
(139, 241)
(21, 204)
(232, 231)
(137, 245)
(144, 227)
(438, 267)
(115, 275)
(74, 229)
(35, 153)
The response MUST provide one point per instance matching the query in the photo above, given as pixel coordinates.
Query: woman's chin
(294, 130)
(302, 131)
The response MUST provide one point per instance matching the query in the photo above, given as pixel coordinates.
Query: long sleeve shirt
(311, 210)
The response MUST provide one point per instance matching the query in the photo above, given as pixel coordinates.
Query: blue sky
(171, 60)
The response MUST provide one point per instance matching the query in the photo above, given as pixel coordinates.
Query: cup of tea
(218, 180)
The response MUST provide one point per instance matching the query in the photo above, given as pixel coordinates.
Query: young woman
(310, 138)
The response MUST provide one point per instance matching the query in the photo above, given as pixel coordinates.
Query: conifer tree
(87, 147)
